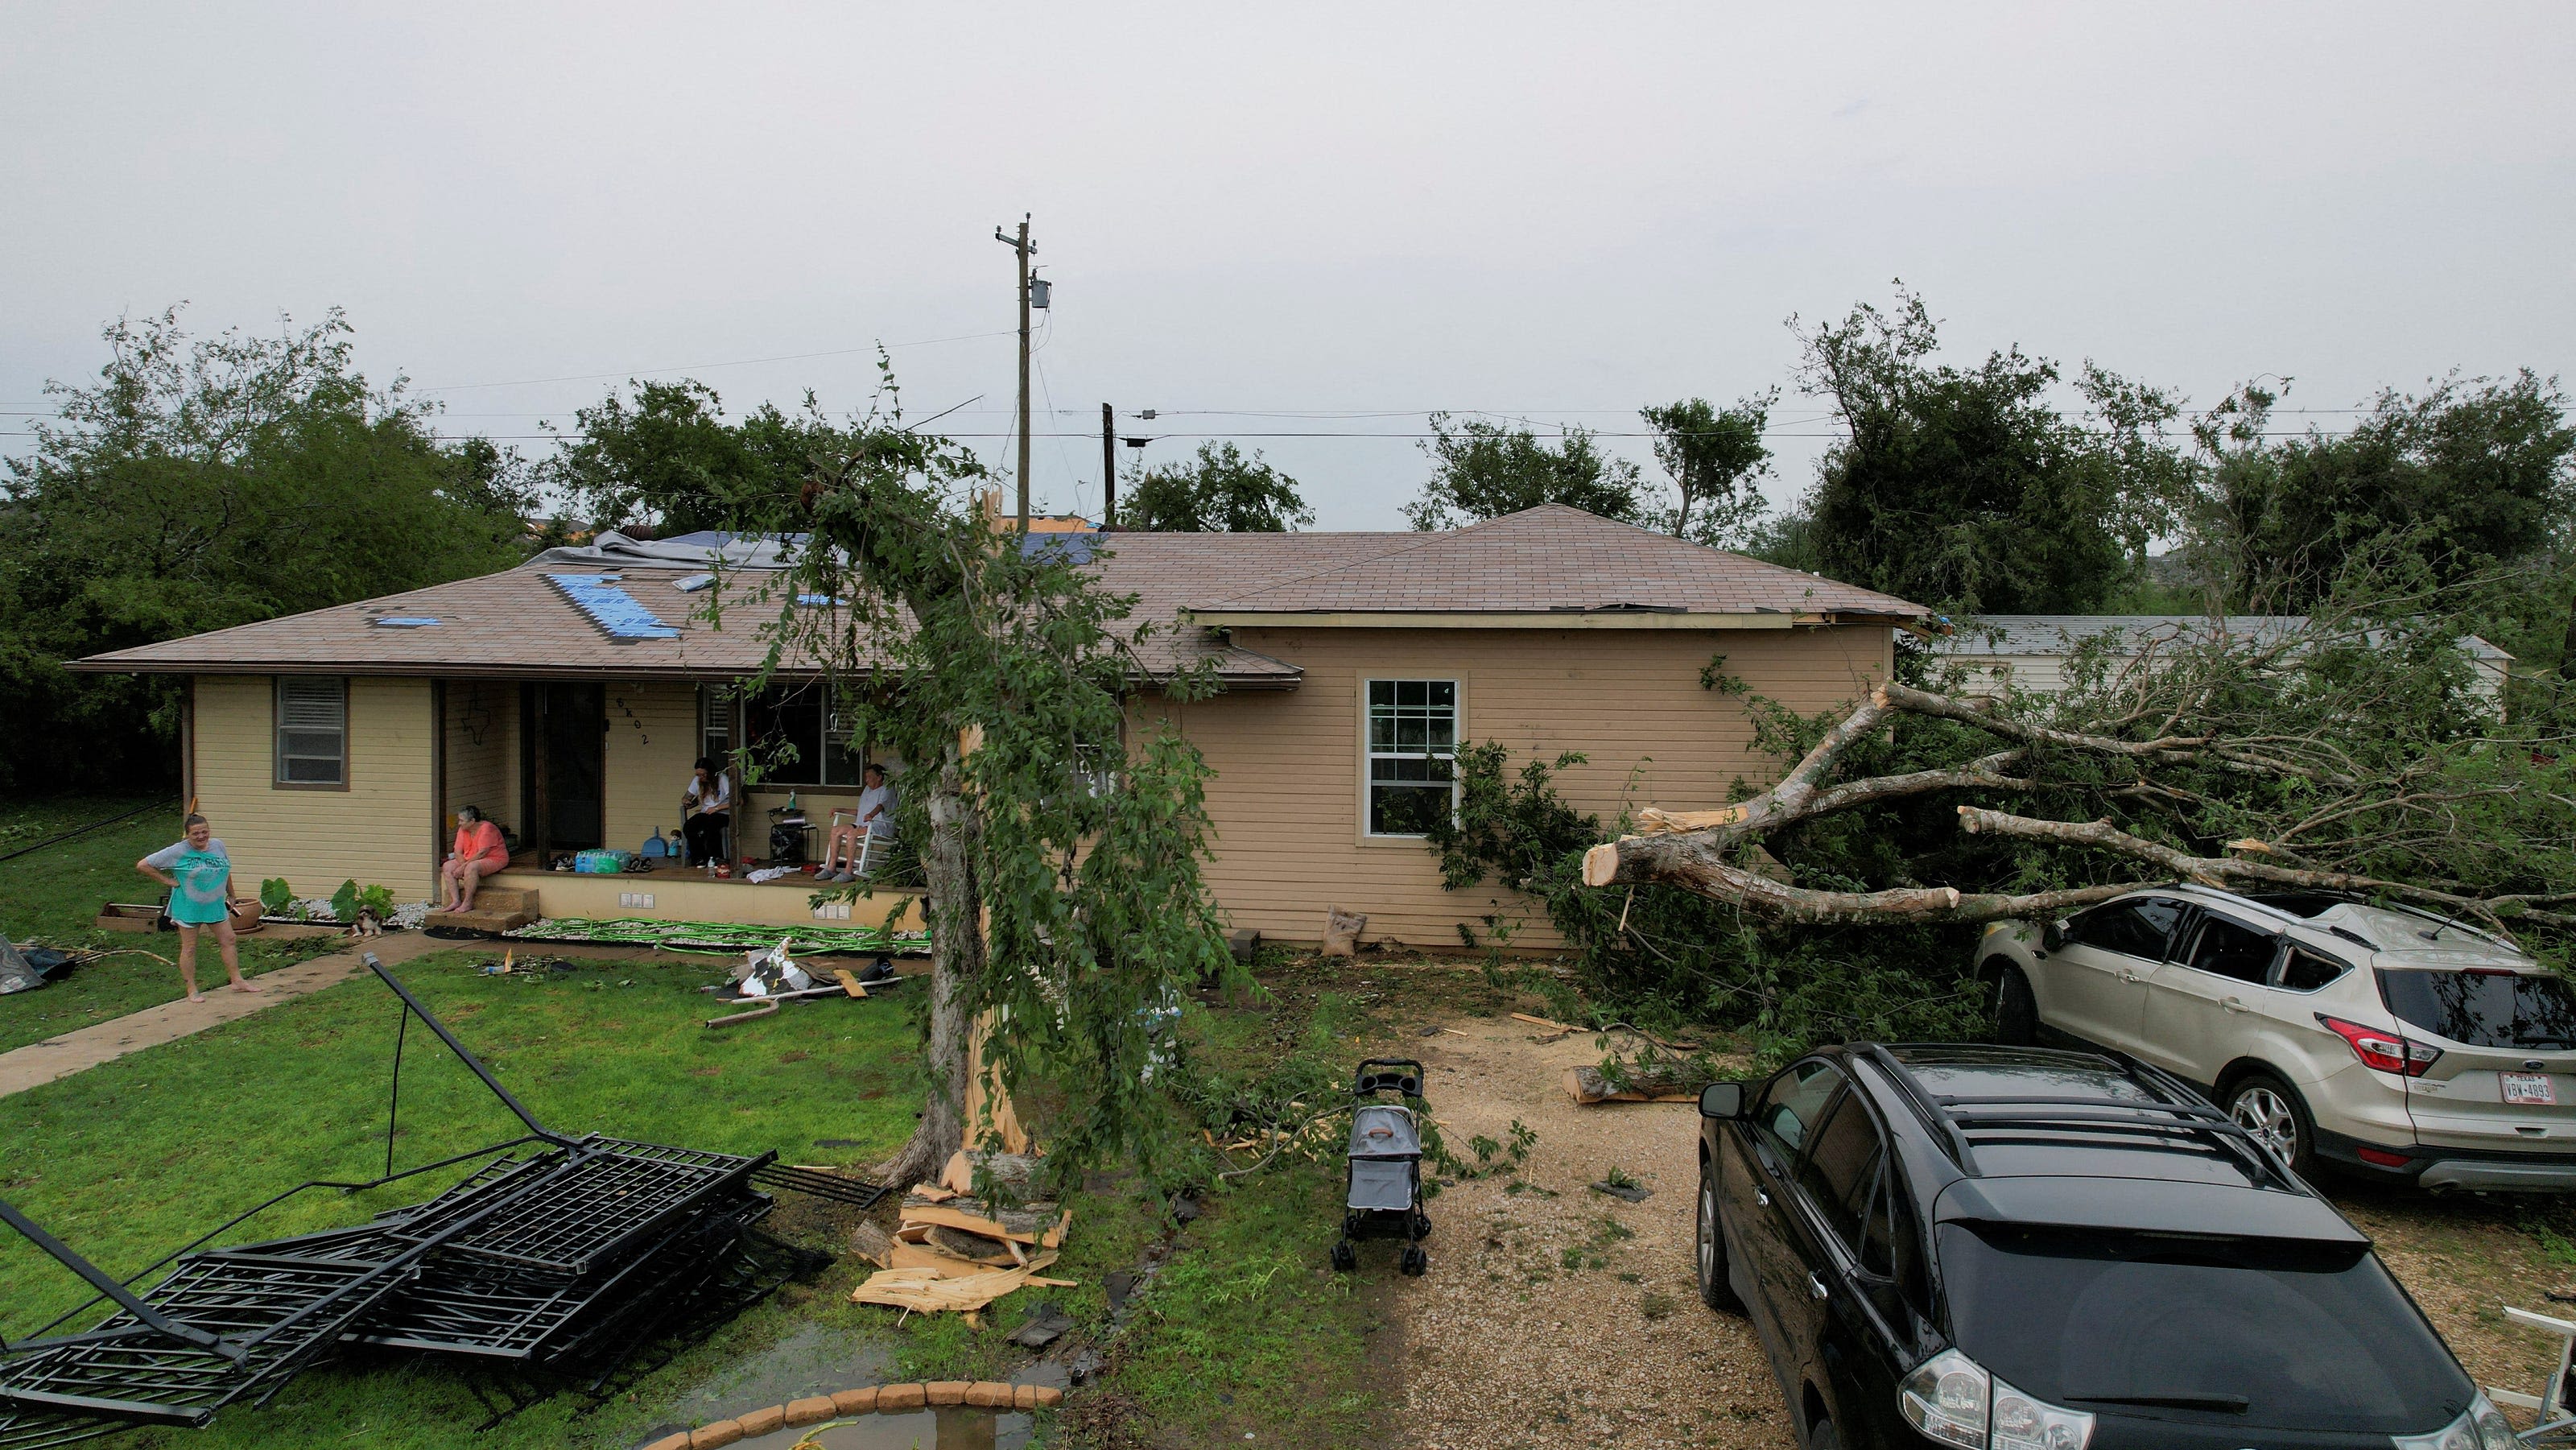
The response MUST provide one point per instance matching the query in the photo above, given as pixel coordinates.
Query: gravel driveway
(1557, 1316)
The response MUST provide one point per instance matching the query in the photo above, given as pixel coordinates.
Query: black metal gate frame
(508, 1263)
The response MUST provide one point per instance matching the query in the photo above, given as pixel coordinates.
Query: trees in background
(2462, 478)
(206, 482)
(1218, 492)
(663, 458)
(1483, 470)
(1965, 488)
(1716, 459)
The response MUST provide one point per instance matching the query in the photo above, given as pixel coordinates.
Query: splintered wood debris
(953, 1251)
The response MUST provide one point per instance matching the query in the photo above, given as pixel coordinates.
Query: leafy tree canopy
(206, 482)
(1218, 492)
(1066, 903)
(1965, 488)
(1715, 458)
(1483, 470)
(2469, 474)
(666, 460)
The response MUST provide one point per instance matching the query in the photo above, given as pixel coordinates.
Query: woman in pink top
(479, 852)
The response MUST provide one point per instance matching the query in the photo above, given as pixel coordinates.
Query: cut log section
(1646, 1085)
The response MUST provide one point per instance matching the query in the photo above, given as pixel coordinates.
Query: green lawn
(131, 1159)
(52, 895)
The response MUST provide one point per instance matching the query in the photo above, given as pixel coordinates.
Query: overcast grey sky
(1558, 213)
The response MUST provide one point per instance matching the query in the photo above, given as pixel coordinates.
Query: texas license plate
(2533, 1088)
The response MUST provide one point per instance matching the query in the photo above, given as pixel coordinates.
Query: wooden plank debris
(930, 1291)
(1038, 1224)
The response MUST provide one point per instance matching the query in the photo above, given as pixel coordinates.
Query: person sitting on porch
(876, 818)
(707, 808)
(479, 851)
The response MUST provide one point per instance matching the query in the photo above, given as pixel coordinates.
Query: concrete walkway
(39, 1063)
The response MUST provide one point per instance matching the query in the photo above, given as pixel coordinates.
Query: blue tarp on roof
(1059, 548)
(618, 614)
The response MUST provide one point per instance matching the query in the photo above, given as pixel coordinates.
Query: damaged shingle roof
(1547, 559)
(519, 623)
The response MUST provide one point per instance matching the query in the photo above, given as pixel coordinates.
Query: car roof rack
(2175, 1120)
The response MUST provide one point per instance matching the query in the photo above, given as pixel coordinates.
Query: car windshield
(2484, 1009)
(2230, 1331)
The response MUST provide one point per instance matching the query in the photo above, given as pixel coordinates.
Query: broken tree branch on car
(2346, 753)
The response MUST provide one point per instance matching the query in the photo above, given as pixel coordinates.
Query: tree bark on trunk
(957, 957)
(1695, 862)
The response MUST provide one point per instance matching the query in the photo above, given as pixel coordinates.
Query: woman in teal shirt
(199, 874)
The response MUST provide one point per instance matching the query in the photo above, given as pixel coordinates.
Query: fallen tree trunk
(1673, 1081)
(1691, 861)
(1702, 851)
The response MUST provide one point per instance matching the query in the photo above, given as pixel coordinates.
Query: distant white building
(2031, 650)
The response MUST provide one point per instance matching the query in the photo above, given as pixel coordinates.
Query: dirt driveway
(1554, 1315)
(1557, 1316)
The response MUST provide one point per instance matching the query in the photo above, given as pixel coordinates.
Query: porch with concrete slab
(525, 892)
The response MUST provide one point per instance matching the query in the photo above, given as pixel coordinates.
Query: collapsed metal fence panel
(554, 1252)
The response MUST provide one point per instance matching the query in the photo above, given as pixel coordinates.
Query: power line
(1187, 433)
(702, 367)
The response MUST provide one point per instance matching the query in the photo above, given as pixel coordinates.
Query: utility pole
(1108, 468)
(1024, 247)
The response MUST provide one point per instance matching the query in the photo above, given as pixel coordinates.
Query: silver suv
(2381, 1040)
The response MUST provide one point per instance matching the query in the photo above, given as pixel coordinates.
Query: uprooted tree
(1063, 872)
(2347, 754)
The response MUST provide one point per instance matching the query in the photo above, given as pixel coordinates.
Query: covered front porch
(670, 892)
(568, 765)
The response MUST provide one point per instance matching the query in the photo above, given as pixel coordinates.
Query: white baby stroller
(1385, 1180)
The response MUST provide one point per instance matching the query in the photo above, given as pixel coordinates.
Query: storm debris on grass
(952, 1251)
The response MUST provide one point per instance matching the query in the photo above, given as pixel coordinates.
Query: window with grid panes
(799, 739)
(1412, 755)
(715, 724)
(312, 731)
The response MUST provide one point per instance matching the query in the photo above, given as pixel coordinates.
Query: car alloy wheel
(2016, 1010)
(1709, 1251)
(1707, 1231)
(2264, 1109)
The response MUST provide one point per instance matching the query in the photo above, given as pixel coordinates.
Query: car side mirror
(2053, 936)
(1722, 1100)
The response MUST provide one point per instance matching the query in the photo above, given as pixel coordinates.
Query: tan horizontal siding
(1286, 798)
(652, 747)
(382, 830)
(482, 739)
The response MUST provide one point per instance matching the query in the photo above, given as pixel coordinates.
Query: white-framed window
(1412, 755)
(1097, 763)
(799, 736)
(715, 724)
(312, 732)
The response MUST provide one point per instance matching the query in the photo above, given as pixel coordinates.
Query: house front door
(565, 730)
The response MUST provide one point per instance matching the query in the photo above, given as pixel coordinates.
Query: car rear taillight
(2382, 1050)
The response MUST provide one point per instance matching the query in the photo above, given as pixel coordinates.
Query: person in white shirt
(706, 808)
(876, 818)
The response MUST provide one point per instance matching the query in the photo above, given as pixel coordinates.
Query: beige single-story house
(567, 698)
(2031, 651)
